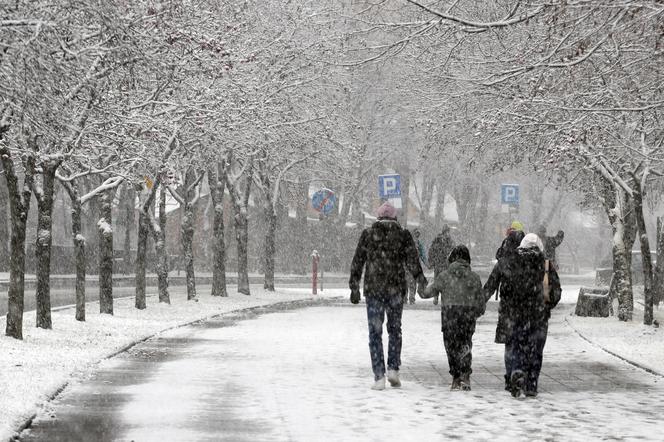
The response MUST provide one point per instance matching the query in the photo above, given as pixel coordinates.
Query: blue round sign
(323, 201)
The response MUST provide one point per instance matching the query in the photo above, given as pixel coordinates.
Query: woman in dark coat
(529, 315)
(499, 279)
(384, 249)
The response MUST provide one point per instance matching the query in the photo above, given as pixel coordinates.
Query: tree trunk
(79, 247)
(19, 204)
(141, 256)
(645, 255)
(405, 192)
(160, 248)
(622, 245)
(270, 233)
(105, 226)
(188, 249)
(425, 197)
(130, 219)
(43, 244)
(217, 184)
(658, 284)
(242, 240)
(481, 240)
(440, 206)
(4, 225)
(302, 200)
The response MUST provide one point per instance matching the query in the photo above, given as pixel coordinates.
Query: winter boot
(456, 384)
(508, 385)
(393, 378)
(516, 383)
(531, 393)
(464, 382)
(379, 384)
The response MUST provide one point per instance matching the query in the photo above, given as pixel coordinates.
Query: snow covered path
(304, 375)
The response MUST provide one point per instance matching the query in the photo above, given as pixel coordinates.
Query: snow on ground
(304, 375)
(32, 370)
(639, 343)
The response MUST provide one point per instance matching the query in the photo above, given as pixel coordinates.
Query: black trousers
(524, 350)
(458, 326)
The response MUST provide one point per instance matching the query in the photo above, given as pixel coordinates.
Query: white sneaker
(379, 384)
(393, 378)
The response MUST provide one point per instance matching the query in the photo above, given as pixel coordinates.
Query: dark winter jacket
(510, 243)
(458, 286)
(526, 284)
(500, 279)
(439, 250)
(386, 249)
(506, 255)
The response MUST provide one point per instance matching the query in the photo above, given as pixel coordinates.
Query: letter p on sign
(389, 186)
(509, 194)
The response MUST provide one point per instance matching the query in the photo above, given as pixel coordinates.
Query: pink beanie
(386, 210)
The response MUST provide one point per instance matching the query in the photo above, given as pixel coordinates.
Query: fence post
(314, 272)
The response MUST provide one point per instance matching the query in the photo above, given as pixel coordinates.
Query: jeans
(377, 308)
(524, 350)
(458, 326)
(412, 287)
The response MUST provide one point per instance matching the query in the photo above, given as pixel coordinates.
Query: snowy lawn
(34, 369)
(641, 344)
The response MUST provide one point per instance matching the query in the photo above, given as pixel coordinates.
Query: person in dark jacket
(550, 244)
(516, 226)
(383, 251)
(462, 302)
(529, 319)
(439, 250)
(499, 280)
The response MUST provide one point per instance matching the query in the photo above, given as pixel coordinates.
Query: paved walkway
(304, 374)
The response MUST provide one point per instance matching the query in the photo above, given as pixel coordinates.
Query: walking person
(529, 319)
(550, 244)
(516, 226)
(462, 302)
(421, 253)
(499, 280)
(383, 253)
(439, 250)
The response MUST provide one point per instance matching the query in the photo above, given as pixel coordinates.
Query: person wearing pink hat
(383, 253)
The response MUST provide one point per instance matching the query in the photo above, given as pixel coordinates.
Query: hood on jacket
(531, 240)
(459, 252)
(513, 240)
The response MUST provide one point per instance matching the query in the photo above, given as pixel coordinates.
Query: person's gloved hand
(355, 296)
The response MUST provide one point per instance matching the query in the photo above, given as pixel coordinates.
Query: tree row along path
(304, 374)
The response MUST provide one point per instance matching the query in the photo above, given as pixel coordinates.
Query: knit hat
(531, 240)
(459, 252)
(386, 210)
(516, 225)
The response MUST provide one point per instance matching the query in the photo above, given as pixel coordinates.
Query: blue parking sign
(389, 186)
(509, 194)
